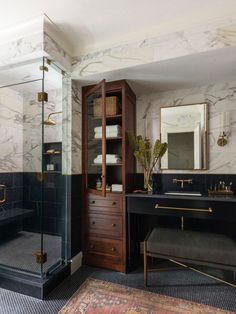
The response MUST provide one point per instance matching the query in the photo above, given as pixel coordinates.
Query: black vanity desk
(213, 210)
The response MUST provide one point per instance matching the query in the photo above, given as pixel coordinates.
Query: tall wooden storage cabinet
(108, 172)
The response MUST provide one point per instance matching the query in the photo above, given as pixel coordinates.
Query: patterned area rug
(102, 297)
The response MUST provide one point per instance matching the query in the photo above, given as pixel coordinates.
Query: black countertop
(216, 198)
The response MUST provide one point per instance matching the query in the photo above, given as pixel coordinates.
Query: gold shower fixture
(49, 120)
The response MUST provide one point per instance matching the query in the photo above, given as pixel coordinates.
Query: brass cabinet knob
(92, 202)
(113, 249)
(114, 203)
(113, 225)
(93, 222)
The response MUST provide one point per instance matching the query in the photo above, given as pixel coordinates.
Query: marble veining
(220, 97)
(214, 35)
(76, 128)
(22, 49)
(51, 47)
(66, 125)
(33, 137)
(11, 130)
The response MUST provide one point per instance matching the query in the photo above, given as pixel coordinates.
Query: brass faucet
(189, 181)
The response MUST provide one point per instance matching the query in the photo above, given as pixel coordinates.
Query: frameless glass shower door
(32, 187)
(53, 159)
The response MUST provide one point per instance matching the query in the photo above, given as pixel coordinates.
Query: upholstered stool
(192, 247)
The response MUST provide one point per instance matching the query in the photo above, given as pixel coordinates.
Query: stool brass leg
(203, 273)
(145, 262)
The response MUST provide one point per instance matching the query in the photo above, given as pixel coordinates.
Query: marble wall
(32, 136)
(214, 35)
(11, 130)
(221, 98)
(31, 40)
(76, 128)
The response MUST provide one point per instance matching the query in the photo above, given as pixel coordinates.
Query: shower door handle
(4, 189)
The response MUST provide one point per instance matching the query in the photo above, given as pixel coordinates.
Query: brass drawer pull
(93, 223)
(114, 203)
(113, 249)
(92, 202)
(113, 225)
(208, 210)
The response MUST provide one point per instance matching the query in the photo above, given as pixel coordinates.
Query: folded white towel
(99, 161)
(109, 134)
(109, 160)
(109, 156)
(117, 187)
(109, 128)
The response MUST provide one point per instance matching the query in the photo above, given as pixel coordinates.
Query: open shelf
(52, 154)
(109, 118)
(118, 138)
(52, 171)
(99, 165)
(52, 158)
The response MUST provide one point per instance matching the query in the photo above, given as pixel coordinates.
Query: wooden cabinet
(108, 172)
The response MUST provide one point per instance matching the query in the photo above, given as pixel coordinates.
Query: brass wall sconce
(222, 140)
(49, 120)
(224, 129)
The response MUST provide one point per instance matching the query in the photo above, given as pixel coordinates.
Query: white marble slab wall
(53, 133)
(76, 130)
(11, 130)
(66, 125)
(31, 40)
(221, 98)
(32, 138)
(215, 35)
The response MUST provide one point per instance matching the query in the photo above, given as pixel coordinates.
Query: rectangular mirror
(185, 130)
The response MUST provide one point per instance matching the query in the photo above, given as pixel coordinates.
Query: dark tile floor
(184, 284)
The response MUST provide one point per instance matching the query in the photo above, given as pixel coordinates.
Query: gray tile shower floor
(18, 251)
(184, 284)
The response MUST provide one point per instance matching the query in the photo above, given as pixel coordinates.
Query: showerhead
(49, 120)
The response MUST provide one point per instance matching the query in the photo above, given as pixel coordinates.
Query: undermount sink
(185, 193)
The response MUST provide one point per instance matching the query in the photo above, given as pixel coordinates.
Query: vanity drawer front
(203, 209)
(107, 225)
(104, 246)
(111, 203)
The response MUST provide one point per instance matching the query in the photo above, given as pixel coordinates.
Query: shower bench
(14, 215)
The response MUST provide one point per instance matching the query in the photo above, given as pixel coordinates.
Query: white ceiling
(88, 25)
(185, 72)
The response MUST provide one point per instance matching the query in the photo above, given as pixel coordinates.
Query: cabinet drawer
(110, 203)
(202, 208)
(106, 225)
(104, 246)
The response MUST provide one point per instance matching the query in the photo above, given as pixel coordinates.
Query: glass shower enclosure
(33, 183)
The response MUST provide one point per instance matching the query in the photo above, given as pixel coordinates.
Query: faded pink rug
(102, 297)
